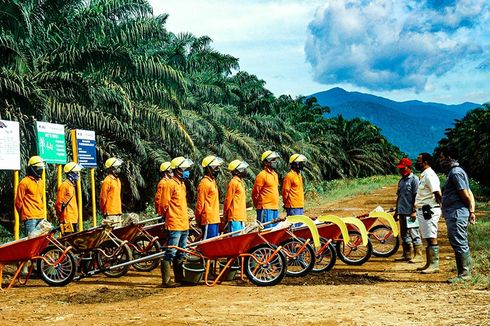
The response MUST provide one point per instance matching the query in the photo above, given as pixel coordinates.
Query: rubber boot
(417, 257)
(434, 261)
(178, 270)
(463, 265)
(427, 260)
(407, 252)
(166, 281)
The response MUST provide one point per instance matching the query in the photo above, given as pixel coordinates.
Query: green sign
(51, 144)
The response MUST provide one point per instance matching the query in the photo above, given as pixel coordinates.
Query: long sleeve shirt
(293, 195)
(235, 206)
(207, 203)
(110, 196)
(29, 199)
(265, 192)
(66, 203)
(174, 205)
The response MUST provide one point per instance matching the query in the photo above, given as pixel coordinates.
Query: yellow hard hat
(269, 156)
(212, 161)
(181, 162)
(165, 166)
(297, 158)
(72, 167)
(113, 162)
(36, 161)
(237, 165)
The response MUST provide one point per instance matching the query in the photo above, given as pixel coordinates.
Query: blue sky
(430, 50)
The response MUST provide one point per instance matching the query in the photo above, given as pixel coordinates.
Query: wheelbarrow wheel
(301, 263)
(264, 269)
(385, 244)
(56, 275)
(110, 254)
(354, 253)
(140, 243)
(325, 260)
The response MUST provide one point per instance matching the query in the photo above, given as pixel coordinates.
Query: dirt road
(380, 292)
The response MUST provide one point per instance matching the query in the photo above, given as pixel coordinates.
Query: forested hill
(413, 126)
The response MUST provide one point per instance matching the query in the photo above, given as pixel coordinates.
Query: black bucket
(193, 269)
(230, 272)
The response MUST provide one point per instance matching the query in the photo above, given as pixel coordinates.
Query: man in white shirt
(428, 210)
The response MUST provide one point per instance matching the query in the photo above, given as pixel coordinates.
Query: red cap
(404, 163)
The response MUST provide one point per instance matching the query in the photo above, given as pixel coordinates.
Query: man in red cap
(405, 207)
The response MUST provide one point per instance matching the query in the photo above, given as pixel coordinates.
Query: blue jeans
(210, 231)
(176, 238)
(30, 225)
(295, 211)
(457, 232)
(236, 226)
(411, 235)
(267, 215)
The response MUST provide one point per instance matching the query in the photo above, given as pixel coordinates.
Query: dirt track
(381, 292)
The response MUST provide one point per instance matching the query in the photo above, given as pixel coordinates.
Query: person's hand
(413, 217)
(472, 218)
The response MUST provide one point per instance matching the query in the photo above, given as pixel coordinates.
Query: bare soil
(380, 292)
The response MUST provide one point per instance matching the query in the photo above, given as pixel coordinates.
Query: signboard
(51, 144)
(9, 145)
(87, 154)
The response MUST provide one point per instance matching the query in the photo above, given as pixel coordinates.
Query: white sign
(9, 145)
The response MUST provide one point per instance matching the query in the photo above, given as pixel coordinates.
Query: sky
(428, 50)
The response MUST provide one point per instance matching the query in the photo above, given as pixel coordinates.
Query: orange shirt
(265, 193)
(173, 203)
(235, 208)
(207, 203)
(292, 190)
(158, 195)
(29, 199)
(67, 199)
(110, 196)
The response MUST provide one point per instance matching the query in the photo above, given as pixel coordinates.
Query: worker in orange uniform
(165, 174)
(29, 200)
(174, 209)
(265, 192)
(293, 195)
(207, 203)
(110, 192)
(235, 207)
(66, 200)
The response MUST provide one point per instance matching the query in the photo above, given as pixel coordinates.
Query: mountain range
(413, 126)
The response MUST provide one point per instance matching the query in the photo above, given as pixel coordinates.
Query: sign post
(10, 159)
(85, 153)
(51, 146)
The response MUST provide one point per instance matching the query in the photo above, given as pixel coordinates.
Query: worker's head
(238, 168)
(404, 166)
(72, 171)
(269, 159)
(297, 162)
(212, 165)
(113, 165)
(180, 167)
(35, 167)
(165, 171)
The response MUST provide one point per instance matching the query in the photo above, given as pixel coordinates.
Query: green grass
(333, 190)
(480, 245)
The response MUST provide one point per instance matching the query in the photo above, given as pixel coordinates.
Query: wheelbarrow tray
(228, 247)
(274, 237)
(367, 221)
(325, 230)
(86, 240)
(23, 249)
(128, 232)
(157, 230)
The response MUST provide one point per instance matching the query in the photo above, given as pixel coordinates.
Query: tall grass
(480, 244)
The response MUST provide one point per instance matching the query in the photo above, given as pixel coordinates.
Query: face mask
(186, 174)
(301, 166)
(273, 165)
(216, 173)
(116, 171)
(35, 172)
(73, 177)
(170, 174)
